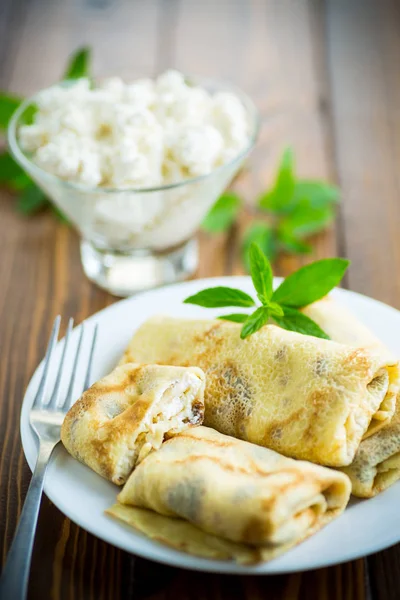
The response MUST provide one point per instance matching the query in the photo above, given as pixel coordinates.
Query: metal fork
(46, 419)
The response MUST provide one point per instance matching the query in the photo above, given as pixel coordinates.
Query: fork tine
(86, 384)
(68, 399)
(37, 402)
(56, 391)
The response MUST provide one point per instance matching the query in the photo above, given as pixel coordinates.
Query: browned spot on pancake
(359, 359)
(124, 424)
(220, 444)
(208, 333)
(315, 400)
(253, 469)
(317, 397)
(274, 426)
(255, 531)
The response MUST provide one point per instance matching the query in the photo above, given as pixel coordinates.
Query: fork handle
(14, 579)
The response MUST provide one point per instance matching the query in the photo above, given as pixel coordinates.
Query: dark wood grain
(324, 76)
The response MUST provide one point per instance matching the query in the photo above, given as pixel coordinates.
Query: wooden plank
(364, 51)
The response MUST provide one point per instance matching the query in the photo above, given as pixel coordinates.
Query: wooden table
(325, 76)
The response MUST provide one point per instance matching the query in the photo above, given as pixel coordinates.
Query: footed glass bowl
(135, 239)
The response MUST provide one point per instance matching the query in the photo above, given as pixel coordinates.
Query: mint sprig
(223, 214)
(295, 209)
(307, 285)
(31, 199)
(279, 197)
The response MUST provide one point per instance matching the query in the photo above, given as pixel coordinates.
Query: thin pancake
(127, 414)
(376, 464)
(234, 491)
(302, 396)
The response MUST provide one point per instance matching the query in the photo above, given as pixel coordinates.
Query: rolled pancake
(236, 491)
(182, 535)
(376, 464)
(305, 397)
(127, 414)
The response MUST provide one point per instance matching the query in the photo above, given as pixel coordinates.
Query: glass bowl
(135, 239)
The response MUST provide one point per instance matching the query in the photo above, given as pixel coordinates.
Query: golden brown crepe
(376, 464)
(302, 396)
(233, 490)
(127, 414)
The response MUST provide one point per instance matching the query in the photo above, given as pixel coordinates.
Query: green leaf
(293, 245)
(235, 317)
(28, 115)
(223, 214)
(20, 182)
(280, 196)
(318, 193)
(293, 320)
(79, 64)
(275, 309)
(261, 273)
(306, 219)
(290, 243)
(219, 297)
(255, 321)
(8, 104)
(31, 200)
(310, 283)
(9, 169)
(261, 234)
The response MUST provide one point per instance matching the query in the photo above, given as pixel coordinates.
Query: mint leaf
(235, 317)
(310, 283)
(9, 169)
(293, 320)
(318, 193)
(280, 196)
(20, 182)
(275, 309)
(219, 297)
(223, 214)
(31, 200)
(28, 115)
(261, 234)
(261, 273)
(255, 321)
(306, 219)
(8, 104)
(79, 64)
(291, 244)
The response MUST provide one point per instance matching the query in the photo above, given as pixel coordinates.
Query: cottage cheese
(142, 134)
(131, 136)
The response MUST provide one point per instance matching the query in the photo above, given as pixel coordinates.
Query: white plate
(83, 496)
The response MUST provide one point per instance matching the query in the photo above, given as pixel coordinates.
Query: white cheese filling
(171, 414)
